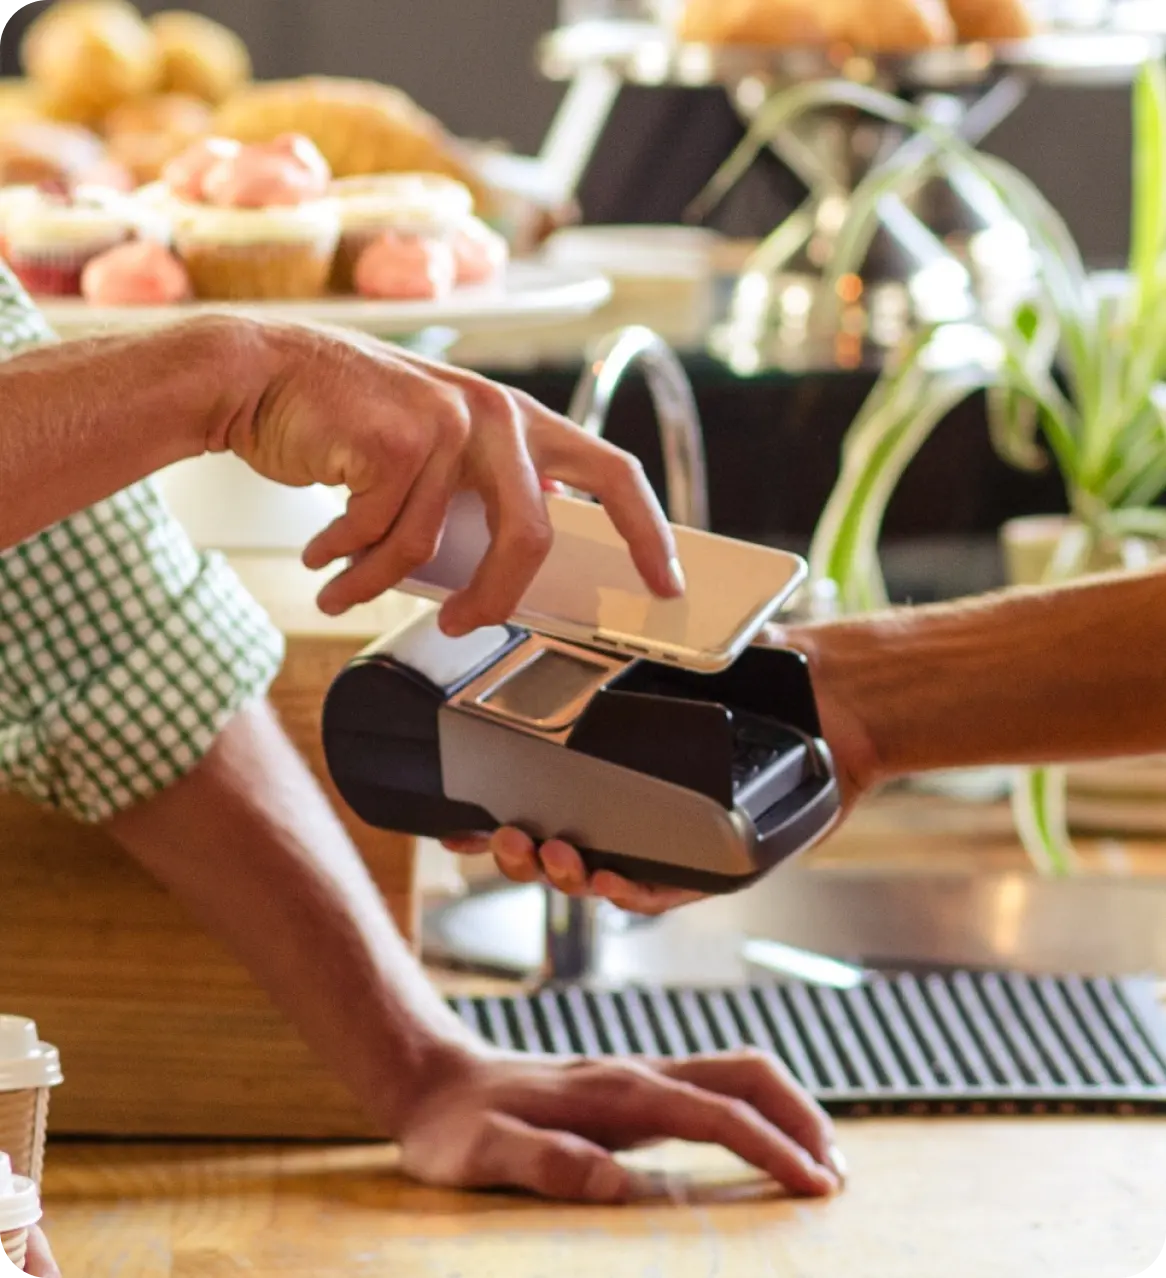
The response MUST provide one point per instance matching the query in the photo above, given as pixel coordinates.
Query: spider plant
(1072, 376)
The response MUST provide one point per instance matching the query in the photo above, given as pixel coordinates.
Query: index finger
(569, 454)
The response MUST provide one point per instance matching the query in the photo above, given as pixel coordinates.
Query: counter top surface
(1068, 1198)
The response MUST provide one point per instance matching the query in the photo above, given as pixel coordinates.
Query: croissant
(361, 127)
(86, 57)
(200, 58)
(992, 19)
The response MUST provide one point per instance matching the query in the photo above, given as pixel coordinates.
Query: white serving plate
(533, 293)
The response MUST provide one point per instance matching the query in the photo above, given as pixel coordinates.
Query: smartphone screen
(589, 586)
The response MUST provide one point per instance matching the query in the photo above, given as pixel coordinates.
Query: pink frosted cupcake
(406, 268)
(253, 223)
(140, 273)
(414, 206)
(51, 234)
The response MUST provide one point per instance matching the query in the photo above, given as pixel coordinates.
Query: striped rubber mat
(943, 1043)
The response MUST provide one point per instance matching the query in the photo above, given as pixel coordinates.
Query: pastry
(44, 151)
(894, 26)
(50, 236)
(480, 254)
(992, 19)
(146, 135)
(411, 268)
(86, 57)
(362, 128)
(19, 102)
(250, 222)
(412, 204)
(756, 22)
(199, 57)
(160, 113)
(140, 273)
(145, 155)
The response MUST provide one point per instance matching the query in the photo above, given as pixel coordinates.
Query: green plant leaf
(903, 410)
(1039, 810)
(1148, 229)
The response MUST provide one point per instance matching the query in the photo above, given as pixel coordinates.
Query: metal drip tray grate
(952, 1043)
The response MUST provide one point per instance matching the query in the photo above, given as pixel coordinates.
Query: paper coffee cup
(19, 1211)
(28, 1070)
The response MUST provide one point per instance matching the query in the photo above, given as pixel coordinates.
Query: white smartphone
(589, 591)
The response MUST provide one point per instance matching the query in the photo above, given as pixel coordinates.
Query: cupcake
(253, 223)
(406, 268)
(421, 206)
(50, 234)
(137, 273)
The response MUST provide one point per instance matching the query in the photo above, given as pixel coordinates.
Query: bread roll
(361, 127)
(992, 19)
(200, 57)
(165, 113)
(19, 100)
(893, 26)
(754, 22)
(86, 57)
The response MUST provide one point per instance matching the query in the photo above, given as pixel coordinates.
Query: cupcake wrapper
(54, 273)
(257, 272)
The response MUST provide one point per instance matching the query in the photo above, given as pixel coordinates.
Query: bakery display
(275, 190)
(877, 26)
(361, 127)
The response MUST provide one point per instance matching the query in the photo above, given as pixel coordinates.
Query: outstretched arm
(1047, 675)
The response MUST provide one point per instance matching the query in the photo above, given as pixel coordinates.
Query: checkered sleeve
(123, 651)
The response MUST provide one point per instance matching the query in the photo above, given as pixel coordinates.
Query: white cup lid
(24, 1060)
(19, 1200)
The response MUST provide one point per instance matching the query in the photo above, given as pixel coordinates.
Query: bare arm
(250, 845)
(1025, 676)
(83, 420)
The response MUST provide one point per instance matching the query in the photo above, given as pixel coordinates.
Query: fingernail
(558, 863)
(676, 576)
(836, 1161)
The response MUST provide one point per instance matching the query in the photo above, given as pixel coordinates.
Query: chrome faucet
(681, 437)
(572, 923)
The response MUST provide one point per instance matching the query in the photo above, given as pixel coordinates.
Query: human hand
(403, 435)
(38, 1261)
(560, 865)
(551, 1127)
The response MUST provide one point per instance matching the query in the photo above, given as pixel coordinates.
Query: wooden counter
(962, 1199)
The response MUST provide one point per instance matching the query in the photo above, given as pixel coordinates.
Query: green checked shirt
(123, 651)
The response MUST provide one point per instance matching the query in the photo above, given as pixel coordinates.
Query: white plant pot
(224, 505)
(1114, 797)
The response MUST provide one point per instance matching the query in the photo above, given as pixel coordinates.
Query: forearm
(82, 420)
(1016, 678)
(250, 845)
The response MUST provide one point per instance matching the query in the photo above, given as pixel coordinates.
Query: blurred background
(472, 63)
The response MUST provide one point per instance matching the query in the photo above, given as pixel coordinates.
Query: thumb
(552, 1164)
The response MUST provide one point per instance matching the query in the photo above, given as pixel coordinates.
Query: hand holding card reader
(663, 775)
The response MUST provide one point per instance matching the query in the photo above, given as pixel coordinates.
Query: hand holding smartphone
(589, 591)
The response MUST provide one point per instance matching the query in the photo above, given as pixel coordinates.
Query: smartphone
(588, 591)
